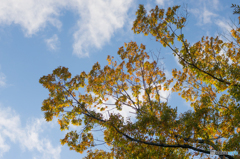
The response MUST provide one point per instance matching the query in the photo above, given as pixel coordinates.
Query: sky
(38, 36)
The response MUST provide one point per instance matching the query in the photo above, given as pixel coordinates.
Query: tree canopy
(209, 80)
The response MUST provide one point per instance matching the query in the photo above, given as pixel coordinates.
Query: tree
(209, 80)
(236, 9)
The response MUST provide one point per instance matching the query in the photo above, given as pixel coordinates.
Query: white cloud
(204, 15)
(207, 16)
(52, 42)
(3, 146)
(215, 4)
(205, 11)
(26, 137)
(98, 19)
(223, 24)
(163, 3)
(160, 2)
(2, 79)
(31, 15)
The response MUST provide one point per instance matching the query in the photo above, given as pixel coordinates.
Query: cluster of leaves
(135, 74)
(209, 80)
(210, 67)
(236, 8)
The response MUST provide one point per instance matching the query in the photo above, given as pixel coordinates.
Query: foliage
(209, 80)
(236, 9)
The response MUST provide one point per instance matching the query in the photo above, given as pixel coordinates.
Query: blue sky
(38, 36)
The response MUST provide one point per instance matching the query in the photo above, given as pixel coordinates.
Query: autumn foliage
(209, 80)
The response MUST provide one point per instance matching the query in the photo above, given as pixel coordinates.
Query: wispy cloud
(2, 79)
(26, 137)
(31, 15)
(52, 42)
(98, 19)
(3, 146)
(204, 15)
(163, 3)
(224, 24)
(207, 16)
(160, 2)
(215, 4)
(205, 11)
